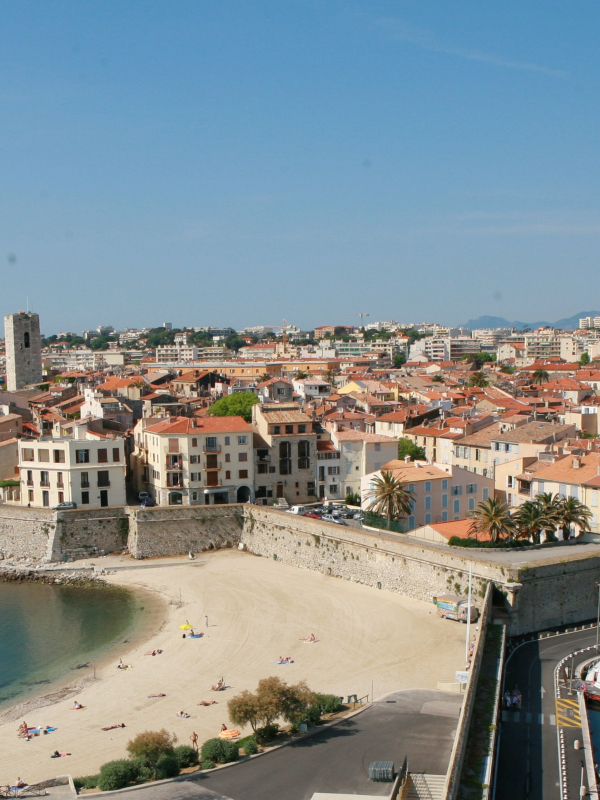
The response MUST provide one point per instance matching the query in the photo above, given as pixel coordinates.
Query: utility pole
(469, 616)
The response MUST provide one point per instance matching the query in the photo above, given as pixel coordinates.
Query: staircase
(420, 786)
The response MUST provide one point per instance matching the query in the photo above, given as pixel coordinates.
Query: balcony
(175, 480)
(30, 483)
(85, 484)
(212, 448)
(45, 484)
(174, 463)
(213, 465)
(103, 484)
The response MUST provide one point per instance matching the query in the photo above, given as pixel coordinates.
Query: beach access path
(258, 610)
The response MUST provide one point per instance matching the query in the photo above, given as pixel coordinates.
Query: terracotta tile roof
(281, 413)
(563, 470)
(200, 426)
(457, 527)
(411, 473)
(362, 436)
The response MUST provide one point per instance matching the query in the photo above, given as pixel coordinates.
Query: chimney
(576, 463)
(408, 459)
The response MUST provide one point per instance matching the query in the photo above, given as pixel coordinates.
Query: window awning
(220, 490)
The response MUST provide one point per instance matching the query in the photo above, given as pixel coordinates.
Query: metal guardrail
(26, 791)
(421, 785)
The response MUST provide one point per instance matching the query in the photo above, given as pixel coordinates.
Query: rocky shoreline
(86, 576)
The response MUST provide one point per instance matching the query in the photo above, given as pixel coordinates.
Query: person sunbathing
(77, 706)
(312, 638)
(20, 784)
(112, 727)
(56, 754)
(207, 702)
(156, 695)
(219, 685)
(22, 729)
(182, 714)
(223, 727)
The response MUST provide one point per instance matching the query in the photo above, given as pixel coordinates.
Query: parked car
(299, 510)
(64, 506)
(345, 513)
(148, 502)
(313, 515)
(359, 515)
(331, 518)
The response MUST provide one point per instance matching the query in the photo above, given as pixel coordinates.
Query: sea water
(50, 631)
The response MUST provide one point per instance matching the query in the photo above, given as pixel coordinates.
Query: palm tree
(571, 511)
(329, 376)
(478, 379)
(492, 517)
(533, 518)
(541, 376)
(389, 498)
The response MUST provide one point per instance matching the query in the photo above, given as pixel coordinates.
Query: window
(456, 506)
(227, 475)
(103, 477)
(29, 477)
(46, 499)
(276, 430)
(445, 483)
(194, 442)
(377, 447)
(444, 516)
(540, 487)
(43, 455)
(510, 482)
(243, 473)
(594, 498)
(562, 490)
(411, 487)
(427, 519)
(26, 339)
(193, 459)
(242, 440)
(27, 453)
(444, 501)
(301, 428)
(59, 456)
(227, 440)
(30, 495)
(285, 458)
(59, 481)
(289, 428)
(211, 443)
(471, 488)
(485, 492)
(456, 490)
(333, 488)
(242, 456)
(227, 457)
(82, 456)
(44, 478)
(116, 454)
(173, 445)
(303, 455)
(333, 470)
(471, 503)
(477, 455)
(194, 495)
(85, 480)
(427, 486)
(61, 497)
(411, 522)
(194, 476)
(575, 491)
(103, 455)
(310, 487)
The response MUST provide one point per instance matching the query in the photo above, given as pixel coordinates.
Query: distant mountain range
(566, 324)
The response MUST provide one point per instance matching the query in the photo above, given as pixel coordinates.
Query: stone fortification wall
(395, 565)
(86, 533)
(172, 531)
(26, 534)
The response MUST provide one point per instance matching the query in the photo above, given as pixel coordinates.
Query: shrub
(167, 766)
(328, 703)
(266, 734)
(212, 750)
(151, 746)
(456, 541)
(89, 782)
(186, 756)
(144, 771)
(208, 764)
(250, 746)
(230, 752)
(116, 775)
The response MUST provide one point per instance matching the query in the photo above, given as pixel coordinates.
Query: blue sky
(212, 162)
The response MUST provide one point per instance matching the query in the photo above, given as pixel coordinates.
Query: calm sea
(46, 631)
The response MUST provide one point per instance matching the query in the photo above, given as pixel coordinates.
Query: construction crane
(359, 314)
(283, 327)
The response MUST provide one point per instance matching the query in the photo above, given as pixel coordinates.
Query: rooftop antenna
(28, 305)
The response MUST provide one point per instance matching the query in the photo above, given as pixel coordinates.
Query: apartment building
(84, 469)
(198, 460)
(312, 388)
(287, 459)
(530, 439)
(360, 453)
(441, 492)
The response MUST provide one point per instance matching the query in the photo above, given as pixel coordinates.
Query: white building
(311, 388)
(360, 453)
(84, 469)
(176, 354)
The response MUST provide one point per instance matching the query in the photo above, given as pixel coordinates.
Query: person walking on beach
(194, 738)
(206, 620)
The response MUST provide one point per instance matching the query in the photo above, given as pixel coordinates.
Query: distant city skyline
(232, 161)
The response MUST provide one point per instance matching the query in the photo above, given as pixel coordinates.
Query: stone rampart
(171, 531)
(86, 533)
(26, 534)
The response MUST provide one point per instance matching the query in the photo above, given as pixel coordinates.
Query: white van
(300, 510)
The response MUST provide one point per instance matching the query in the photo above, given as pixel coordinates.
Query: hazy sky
(225, 162)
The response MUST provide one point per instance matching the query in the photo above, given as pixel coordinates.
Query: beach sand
(258, 610)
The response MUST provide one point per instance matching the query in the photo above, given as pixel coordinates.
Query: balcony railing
(212, 448)
(263, 459)
(175, 481)
(45, 484)
(175, 463)
(103, 484)
(216, 466)
(85, 484)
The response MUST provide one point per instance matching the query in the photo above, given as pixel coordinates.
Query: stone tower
(23, 350)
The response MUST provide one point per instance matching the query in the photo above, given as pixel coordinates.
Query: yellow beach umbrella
(186, 627)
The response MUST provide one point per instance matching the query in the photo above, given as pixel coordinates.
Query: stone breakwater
(550, 592)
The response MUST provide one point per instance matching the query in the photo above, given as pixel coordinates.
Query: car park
(331, 518)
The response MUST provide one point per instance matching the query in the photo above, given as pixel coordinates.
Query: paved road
(419, 724)
(527, 766)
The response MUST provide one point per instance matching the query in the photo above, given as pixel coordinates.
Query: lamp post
(468, 616)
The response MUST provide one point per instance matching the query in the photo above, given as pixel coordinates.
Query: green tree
(329, 376)
(532, 518)
(300, 375)
(437, 379)
(408, 448)
(352, 498)
(399, 360)
(295, 702)
(478, 380)
(570, 511)
(585, 359)
(492, 517)
(389, 498)
(151, 745)
(238, 404)
(540, 376)
(234, 342)
(244, 709)
(507, 369)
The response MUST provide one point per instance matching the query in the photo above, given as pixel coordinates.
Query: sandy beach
(258, 610)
